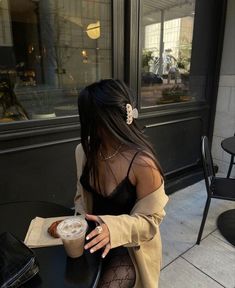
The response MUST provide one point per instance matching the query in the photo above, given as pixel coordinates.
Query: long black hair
(102, 105)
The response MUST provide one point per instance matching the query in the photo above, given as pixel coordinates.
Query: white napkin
(37, 235)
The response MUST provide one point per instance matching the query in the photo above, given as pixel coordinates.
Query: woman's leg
(118, 272)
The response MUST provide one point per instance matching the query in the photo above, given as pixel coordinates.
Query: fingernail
(91, 250)
(103, 256)
(85, 247)
(87, 237)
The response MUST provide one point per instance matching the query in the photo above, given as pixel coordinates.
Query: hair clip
(131, 113)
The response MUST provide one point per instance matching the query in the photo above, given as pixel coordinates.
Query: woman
(120, 187)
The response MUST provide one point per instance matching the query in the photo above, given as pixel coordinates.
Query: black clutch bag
(18, 263)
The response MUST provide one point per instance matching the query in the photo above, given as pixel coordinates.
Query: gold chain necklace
(112, 155)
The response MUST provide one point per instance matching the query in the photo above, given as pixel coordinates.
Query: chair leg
(205, 212)
(230, 166)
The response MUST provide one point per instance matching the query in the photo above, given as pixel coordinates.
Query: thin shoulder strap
(132, 162)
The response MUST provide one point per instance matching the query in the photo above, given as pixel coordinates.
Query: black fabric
(120, 201)
(17, 262)
(118, 272)
(118, 269)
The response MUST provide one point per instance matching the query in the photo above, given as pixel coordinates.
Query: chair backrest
(208, 167)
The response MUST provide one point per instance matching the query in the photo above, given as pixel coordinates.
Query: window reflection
(167, 30)
(49, 49)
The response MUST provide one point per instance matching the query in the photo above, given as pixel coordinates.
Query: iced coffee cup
(72, 232)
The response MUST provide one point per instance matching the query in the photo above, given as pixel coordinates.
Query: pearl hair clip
(131, 113)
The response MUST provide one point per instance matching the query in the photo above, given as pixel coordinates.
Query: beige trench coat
(138, 231)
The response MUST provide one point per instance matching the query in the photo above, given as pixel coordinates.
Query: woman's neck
(109, 145)
(110, 151)
(109, 142)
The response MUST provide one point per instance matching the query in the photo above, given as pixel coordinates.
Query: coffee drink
(72, 232)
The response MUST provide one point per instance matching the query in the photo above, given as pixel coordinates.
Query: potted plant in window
(147, 55)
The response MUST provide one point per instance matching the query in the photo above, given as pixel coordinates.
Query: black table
(226, 225)
(228, 145)
(56, 269)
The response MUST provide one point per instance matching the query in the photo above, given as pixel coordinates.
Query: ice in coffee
(72, 232)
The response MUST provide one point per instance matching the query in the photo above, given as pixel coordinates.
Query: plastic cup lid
(71, 228)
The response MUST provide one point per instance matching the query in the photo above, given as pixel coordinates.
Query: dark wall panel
(176, 142)
(44, 173)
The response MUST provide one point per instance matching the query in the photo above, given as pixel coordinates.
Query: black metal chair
(220, 188)
(232, 162)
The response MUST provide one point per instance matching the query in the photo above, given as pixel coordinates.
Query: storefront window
(49, 49)
(167, 30)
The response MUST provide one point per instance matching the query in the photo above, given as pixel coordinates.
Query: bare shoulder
(147, 175)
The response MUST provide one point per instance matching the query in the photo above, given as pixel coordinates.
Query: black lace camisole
(120, 201)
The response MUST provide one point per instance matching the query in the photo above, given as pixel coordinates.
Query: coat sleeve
(79, 197)
(141, 225)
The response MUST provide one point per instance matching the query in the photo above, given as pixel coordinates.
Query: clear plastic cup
(72, 232)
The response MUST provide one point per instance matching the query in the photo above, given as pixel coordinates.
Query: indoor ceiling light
(93, 30)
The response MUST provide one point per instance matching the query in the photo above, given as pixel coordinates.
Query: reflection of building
(168, 30)
(177, 36)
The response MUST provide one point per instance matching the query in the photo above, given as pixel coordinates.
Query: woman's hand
(100, 236)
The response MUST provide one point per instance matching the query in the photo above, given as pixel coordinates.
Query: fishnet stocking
(118, 272)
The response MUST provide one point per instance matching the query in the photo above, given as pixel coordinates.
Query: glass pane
(167, 30)
(49, 49)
